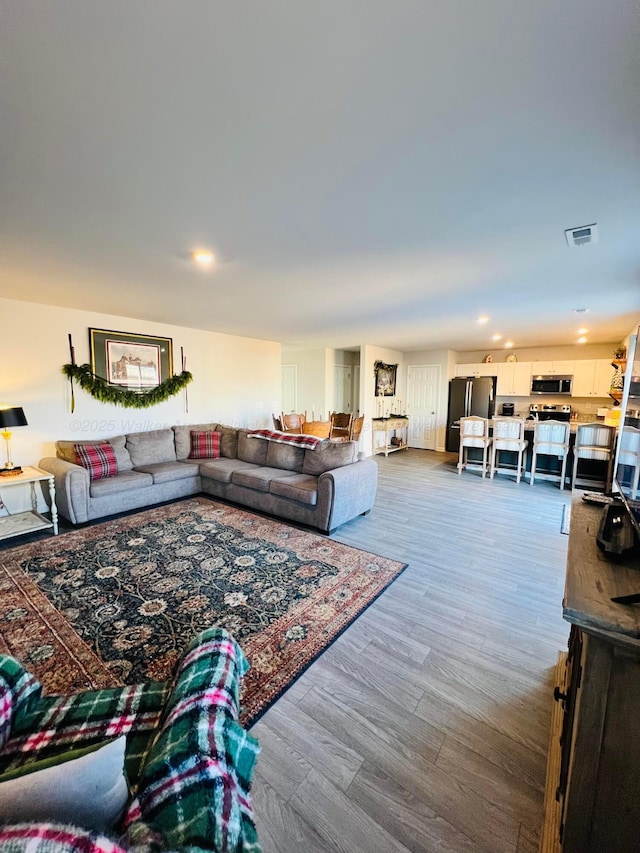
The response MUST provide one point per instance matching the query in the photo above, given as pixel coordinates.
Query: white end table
(27, 522)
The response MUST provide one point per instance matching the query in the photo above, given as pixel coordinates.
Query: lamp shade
(12, 417)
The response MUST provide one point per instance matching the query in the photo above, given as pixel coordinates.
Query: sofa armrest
(348, 491)
(72, 488)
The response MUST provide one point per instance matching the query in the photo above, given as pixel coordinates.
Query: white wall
(368, 357)
(313, 379)
(236, 380)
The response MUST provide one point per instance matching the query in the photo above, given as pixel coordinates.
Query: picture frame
(129, 360)
(385, 376)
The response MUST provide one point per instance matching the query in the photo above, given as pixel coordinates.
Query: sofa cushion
(205, 444)
(182, 434)
(166, 472)
(146, 448)
(284, 455)
(250, 450)
(223, 469)
(256, 478)
(98, 459)
(298, 487)
(85, 786)
(330, 454)
(228, 441)
(126, 482)
(66, 450)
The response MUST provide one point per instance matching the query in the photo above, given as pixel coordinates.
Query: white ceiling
(366, 171)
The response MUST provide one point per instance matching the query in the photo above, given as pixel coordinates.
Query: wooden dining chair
(293, 422)
(321, 429)
(357, 428)
(341, 425)
(277, 422)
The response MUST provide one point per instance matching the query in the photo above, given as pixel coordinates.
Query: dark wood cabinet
(592, 797)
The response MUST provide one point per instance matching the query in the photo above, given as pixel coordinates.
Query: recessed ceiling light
(496, 337)
(582, 340)
(203, 257)
(482, 320)
(582, 331)
(508, 344)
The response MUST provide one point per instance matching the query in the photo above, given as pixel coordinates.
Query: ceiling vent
(582, 235)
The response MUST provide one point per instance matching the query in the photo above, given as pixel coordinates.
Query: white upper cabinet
(592, 378)
(514, 379)
(477, 369)
(553, 368)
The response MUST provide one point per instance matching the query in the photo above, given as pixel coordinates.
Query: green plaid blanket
(189, 762)
(195, 784)
(54, 725)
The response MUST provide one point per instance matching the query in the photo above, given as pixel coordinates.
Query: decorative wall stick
(183, 359)
(72, 353)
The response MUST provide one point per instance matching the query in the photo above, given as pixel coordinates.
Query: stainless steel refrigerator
(468, 396)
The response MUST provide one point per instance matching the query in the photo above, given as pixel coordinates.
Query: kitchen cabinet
(477, 369)
(592, 378)
(593, 769)
(514, 379)
(552, 368)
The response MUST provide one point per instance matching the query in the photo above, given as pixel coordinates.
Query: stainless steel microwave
(551, 384)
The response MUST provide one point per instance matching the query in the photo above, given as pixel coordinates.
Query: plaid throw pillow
(205, 444)
(99, 460)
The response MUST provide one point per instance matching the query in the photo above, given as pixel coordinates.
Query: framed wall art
(129, 360)
(385, 379)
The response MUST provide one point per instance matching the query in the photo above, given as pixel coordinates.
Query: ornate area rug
(115, 603)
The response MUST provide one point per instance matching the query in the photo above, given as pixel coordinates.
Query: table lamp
(10, 416)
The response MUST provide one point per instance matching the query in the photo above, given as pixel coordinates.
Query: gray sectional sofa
(323, 487)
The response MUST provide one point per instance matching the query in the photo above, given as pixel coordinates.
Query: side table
(27, 522)
(388, 425)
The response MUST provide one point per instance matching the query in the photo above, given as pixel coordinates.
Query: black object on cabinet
(468, 396)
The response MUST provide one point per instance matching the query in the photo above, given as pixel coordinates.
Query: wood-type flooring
(425, 726)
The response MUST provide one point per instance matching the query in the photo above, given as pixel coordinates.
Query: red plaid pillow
(204, 444)
(99, 460)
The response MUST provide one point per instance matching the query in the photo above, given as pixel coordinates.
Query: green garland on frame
(101, 390)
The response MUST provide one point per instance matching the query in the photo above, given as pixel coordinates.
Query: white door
(356, 389)
(423, 382)
(289, 388)
(343, 391)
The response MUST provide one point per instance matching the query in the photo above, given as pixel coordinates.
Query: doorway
(423, 385)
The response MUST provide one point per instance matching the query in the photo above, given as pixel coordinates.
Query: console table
(394, 429)
(592, 801)
(27, 522)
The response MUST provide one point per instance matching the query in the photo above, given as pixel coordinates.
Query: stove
(549, 413)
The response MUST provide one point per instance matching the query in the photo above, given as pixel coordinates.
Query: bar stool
(474, 432)
(551, 438)
(594, 441)
(508, 434)
(630, 455)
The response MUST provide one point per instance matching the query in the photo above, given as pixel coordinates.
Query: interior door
(289, 388)
(343, 399)
(423, 383)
